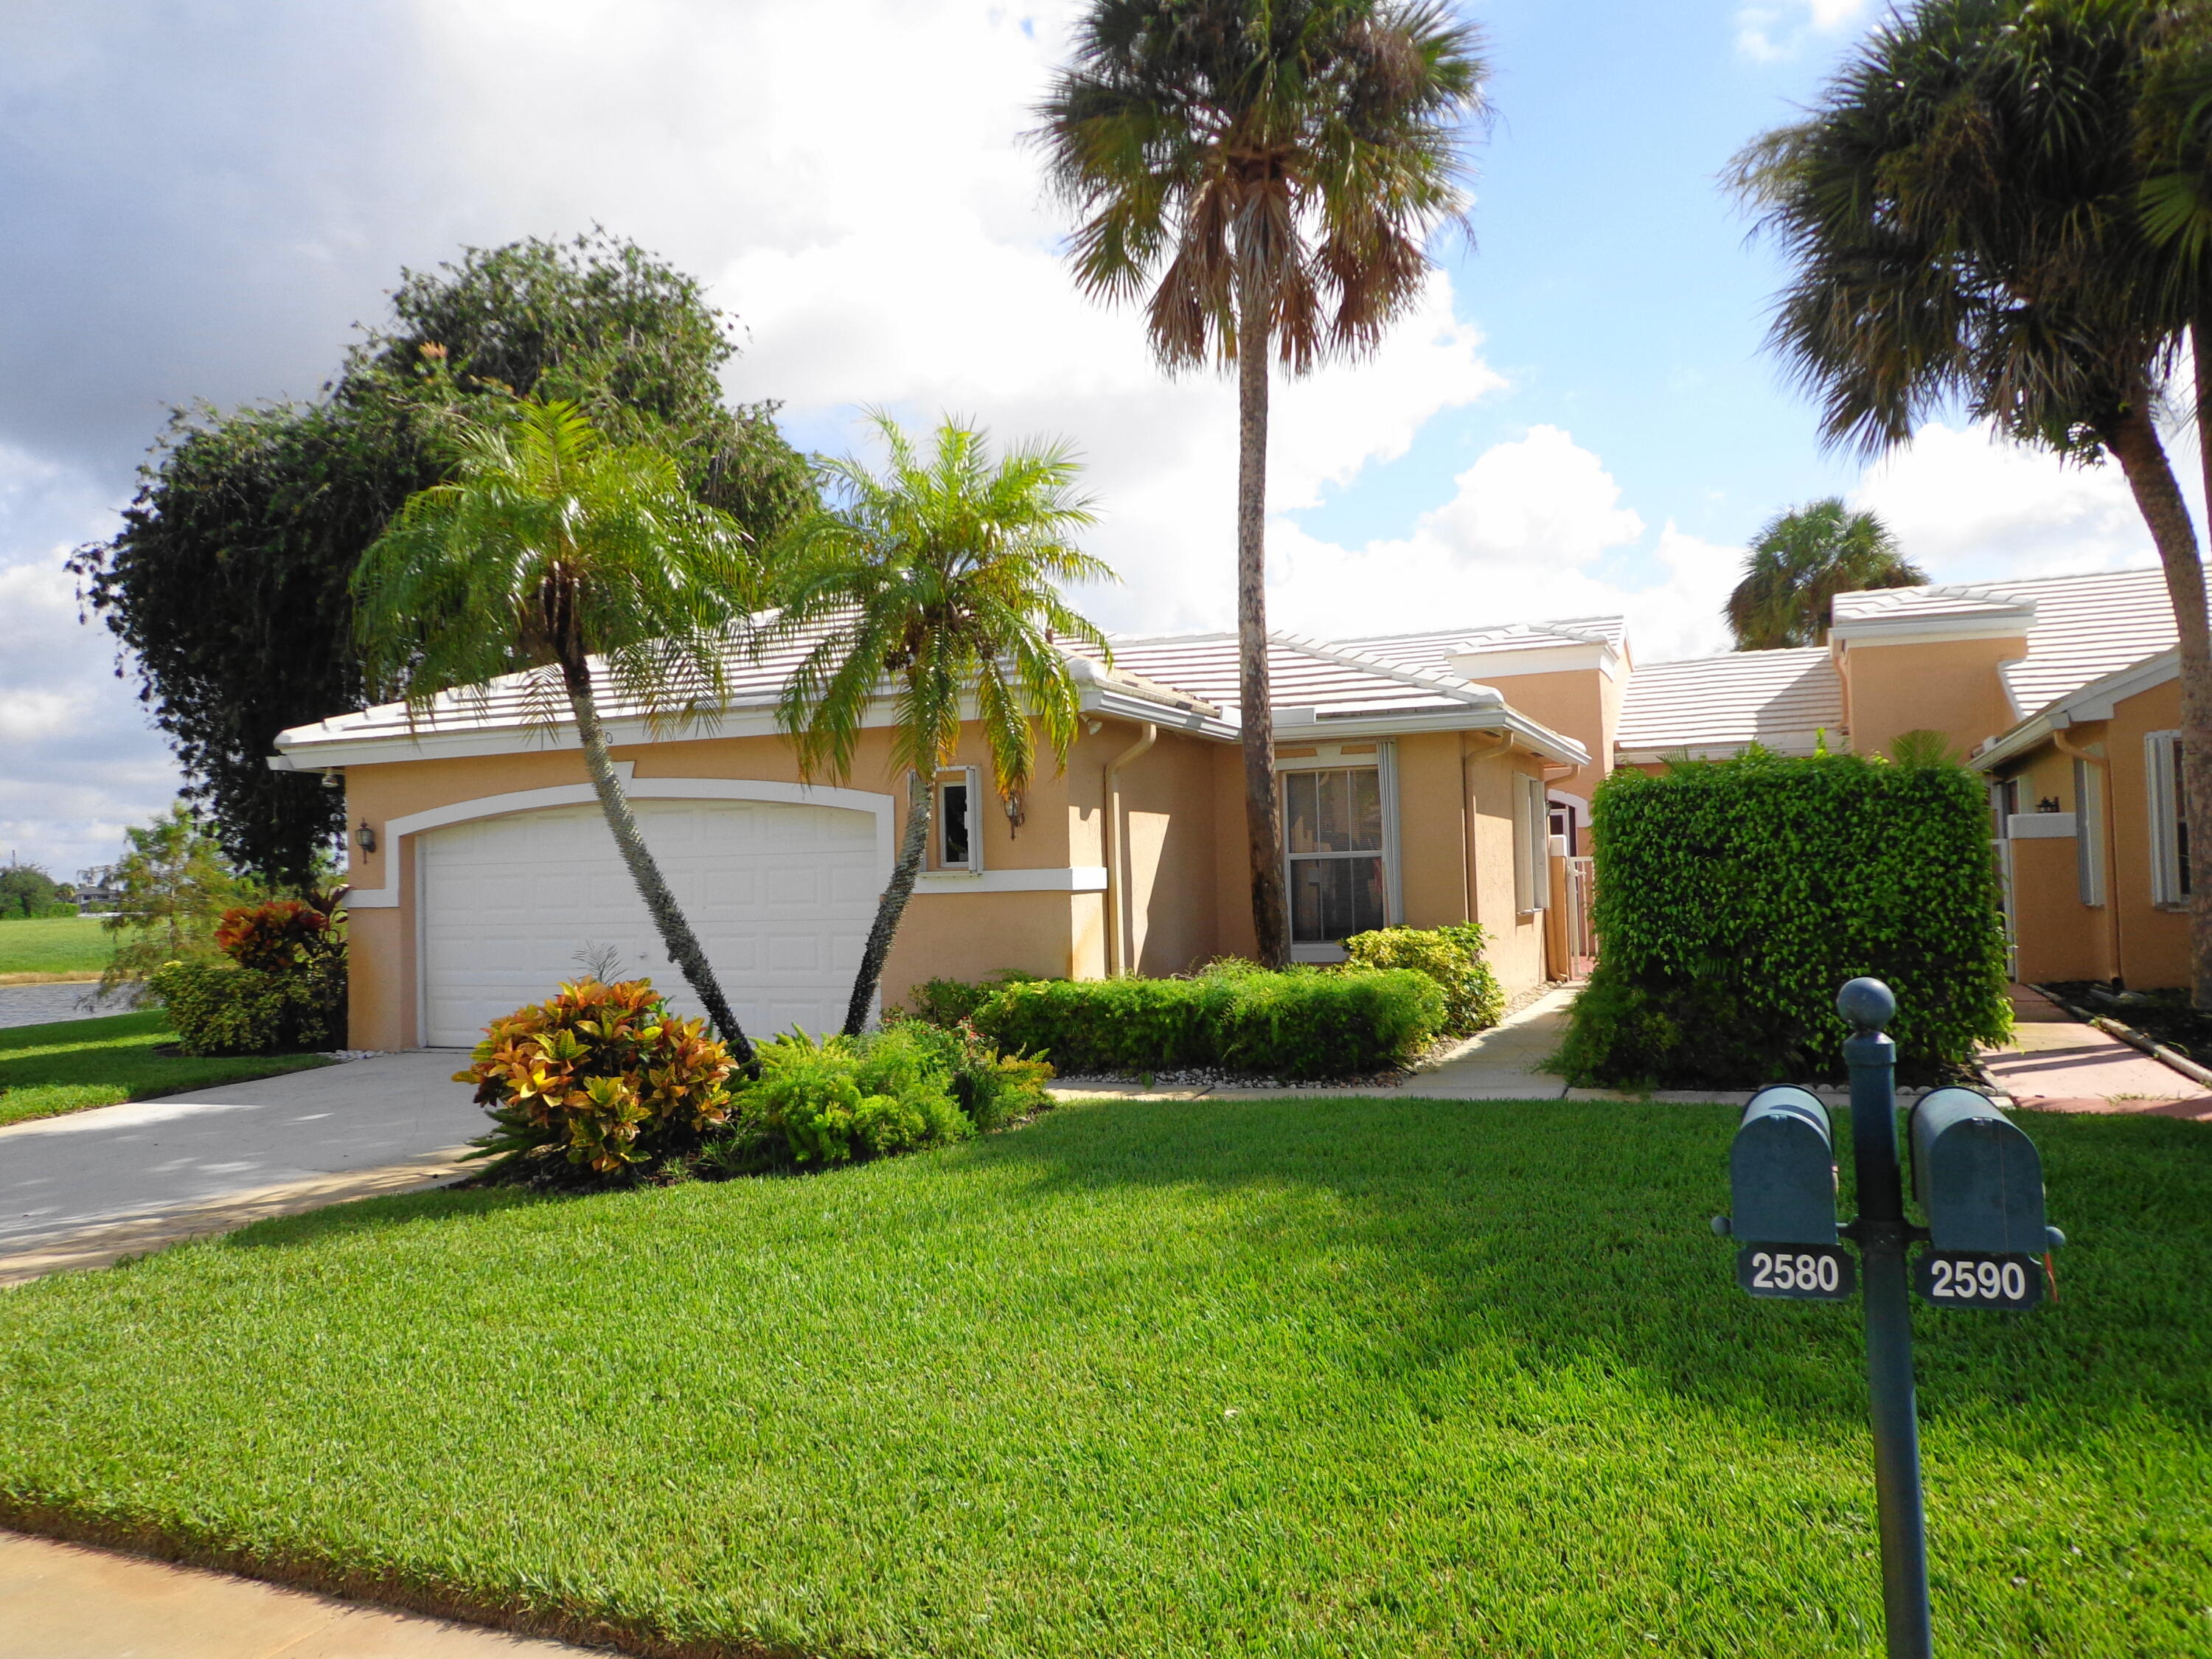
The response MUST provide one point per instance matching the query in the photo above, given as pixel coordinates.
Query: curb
(2135, 1039)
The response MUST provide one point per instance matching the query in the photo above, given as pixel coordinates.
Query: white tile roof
(2079, 629)
(1778, 698)
(2085, 628)
(1301, 673)
(1190, 678)
(1435, 648)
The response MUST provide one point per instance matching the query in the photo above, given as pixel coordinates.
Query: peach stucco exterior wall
(2058, 936)
(1186, 896)
(1582, 703)
(957, 935)
(1950, 686)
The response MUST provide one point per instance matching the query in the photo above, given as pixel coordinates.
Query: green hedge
(244, 1010)
(1736, 897)
(1451, 956)
(1302, 1023)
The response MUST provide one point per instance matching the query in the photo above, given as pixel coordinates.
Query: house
(483, 874)
(1429, 777)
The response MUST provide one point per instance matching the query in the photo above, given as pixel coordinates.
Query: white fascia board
(2100, 700)
(1504, 663)
(1072, 878)
(1789, 745)
(1100, 699)
(1932, 630)
(1538, 739)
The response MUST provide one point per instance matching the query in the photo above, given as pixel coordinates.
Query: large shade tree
(930, 594)
(1964, 211)
(227, 585)
(1797, 564)
(578, 564)
(1271, 171)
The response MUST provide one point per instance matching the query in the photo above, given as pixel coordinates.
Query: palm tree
(1964, 211)
(572, 561)
(1799, 562)
(1273, 168)
(934, 585)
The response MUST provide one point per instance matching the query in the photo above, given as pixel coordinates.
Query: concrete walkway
(65, 1601)
(90, 1185)
(2056, 1064)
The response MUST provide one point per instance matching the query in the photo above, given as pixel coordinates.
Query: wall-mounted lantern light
(365, 837)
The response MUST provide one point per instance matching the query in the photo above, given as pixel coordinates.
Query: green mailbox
(1782, 1188)
(1979, 1180)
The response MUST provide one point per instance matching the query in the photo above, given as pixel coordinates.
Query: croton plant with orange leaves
(605, 1073)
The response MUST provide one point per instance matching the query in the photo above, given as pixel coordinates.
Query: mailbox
(1782, 1172)
(1977, 1176)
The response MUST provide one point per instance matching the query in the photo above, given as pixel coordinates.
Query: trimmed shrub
(245, 1011)
(1736, 897)
(841, 1100)
(605, 1076)
(1452, 956)
(1304, 1024)
(949, 1002)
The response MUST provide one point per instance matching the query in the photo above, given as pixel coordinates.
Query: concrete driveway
(90, 1185)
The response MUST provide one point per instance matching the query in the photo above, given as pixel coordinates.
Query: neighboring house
(482, 872)
(1427, 777)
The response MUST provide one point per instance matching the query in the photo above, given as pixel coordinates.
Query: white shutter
(1532, 846)
(2089, 832)
(2165, 817)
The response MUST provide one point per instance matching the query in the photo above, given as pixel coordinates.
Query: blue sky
(1578, 418)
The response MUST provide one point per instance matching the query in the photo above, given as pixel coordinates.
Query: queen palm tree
(1797, 564)
(1963, 210)
(1273, 169)
(574, 561)
(934, 586)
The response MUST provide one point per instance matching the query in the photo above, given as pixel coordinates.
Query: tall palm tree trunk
(1263, 832)
(2142, 457)
(891, 906)
(675, 935)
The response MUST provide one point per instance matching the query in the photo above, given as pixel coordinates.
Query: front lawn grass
(1375, 1378)
(45, 1070)
(40, 946)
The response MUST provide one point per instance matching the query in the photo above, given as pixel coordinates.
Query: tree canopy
(1797, 564)
(227, 584)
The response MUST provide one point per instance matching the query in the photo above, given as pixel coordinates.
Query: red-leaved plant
(605, 1074)
(281, 934)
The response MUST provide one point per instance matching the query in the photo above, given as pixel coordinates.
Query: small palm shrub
(601, 1076)
(1452, 956)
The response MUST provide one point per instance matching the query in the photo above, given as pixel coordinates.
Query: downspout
(2064, 746)
(1468, 873)
(1117, 944)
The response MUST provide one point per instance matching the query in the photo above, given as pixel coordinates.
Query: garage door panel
(781, 896)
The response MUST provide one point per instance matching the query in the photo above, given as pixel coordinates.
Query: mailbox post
(1883, 1238)
(1980, 1182)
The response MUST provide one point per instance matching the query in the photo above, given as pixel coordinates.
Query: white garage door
(781, 896)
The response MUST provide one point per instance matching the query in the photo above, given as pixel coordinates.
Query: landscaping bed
(71, 1065)
(1266, 1378)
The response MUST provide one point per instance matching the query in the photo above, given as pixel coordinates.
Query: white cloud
(1778, 30)
(1534, 530)
(1968, 506)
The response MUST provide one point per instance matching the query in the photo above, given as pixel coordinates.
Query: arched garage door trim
(576, 794)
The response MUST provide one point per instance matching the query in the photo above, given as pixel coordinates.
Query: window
(2169, 826)
(1332, 834)
(958, 845)
(2089, 832)
(1532, 845)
